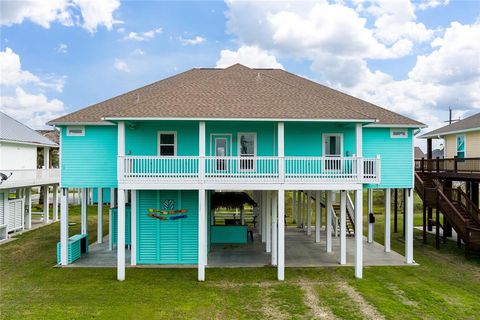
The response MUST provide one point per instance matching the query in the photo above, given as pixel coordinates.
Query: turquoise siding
(171, 241)
(141, 138)
(128, 225)
(106, 195)
(90, 160)
(395, 154)
(266, 135)
(305, 138)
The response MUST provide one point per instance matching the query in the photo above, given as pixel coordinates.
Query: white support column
(55, 202)
(294, 206)
(370, 212)
(133, 224)
(83, 212)
(359, 149)
(259, 210)
(304, 211)
(99, 215)
(281, 150)
(202, 235)
(388, 206)
(281, 236)
(359, 234)
(64, 227)
(46, 157)
(242, 216)
(268, 224)
(328, 205)
(264, 216)
(309, 213)
(274, 228)
(46, 205)
(318, 210)
(343, 227)
(201, 150)
(28, 203)
(121, 235)
(110, 222)
(409, 226)
(299, 209)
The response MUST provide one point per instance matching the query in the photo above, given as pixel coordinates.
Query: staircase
(458, 210)
(350, 225)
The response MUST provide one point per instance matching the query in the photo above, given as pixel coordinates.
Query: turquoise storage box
(77, 245)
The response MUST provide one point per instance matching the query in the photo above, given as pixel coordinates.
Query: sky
(417, 58)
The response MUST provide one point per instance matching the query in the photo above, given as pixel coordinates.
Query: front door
(221, 148)
(332, 151)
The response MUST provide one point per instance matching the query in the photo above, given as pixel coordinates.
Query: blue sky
(58, 57)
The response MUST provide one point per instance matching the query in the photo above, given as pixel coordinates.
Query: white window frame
(213, 136)
(174, 142)
(70, 134)
(464, 144)
(324, 137)
(404, 130)
(239, 134)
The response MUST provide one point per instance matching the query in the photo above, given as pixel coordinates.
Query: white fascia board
(234, 119)
(103, 123)
(414, 126)
(53, 145)
(441, 135)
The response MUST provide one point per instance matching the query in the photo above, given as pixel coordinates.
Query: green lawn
(444, 286)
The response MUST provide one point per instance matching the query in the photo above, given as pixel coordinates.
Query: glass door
(332, 151)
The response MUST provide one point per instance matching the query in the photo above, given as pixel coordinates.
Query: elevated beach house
(168, 146)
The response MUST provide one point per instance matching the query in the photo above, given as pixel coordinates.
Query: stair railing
(469, 205)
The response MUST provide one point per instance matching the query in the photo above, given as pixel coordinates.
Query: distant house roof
(419, 153)
(52, 135)
(471, 123)
(13, 131)
(236, 92)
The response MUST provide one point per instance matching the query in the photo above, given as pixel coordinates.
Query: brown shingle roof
(235, 92)
(470, 123)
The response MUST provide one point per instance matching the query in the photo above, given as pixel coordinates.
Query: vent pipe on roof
(258, 77)
(138, 99)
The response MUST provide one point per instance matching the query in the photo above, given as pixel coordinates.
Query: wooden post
(437, 221)
(424, 223)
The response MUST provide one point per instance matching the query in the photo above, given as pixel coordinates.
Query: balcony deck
(30, 177)
(145, 171)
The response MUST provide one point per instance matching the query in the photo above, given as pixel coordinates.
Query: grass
(443, 286)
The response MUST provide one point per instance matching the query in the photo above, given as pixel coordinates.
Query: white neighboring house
(19, 146)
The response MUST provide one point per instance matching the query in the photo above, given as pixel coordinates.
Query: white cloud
(11, 70)
(65, 12)
(250, 56)
(62, 48)
(97, 13)
(121, 65)
(192, 42)
(138, 52)
(429, 4)
(33, 110)
(143, 36)
(339, 42)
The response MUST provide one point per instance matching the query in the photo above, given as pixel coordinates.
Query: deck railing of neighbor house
(451, 165)
(29, 177)
(153, 169)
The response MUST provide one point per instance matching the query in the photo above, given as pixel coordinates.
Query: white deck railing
(29, 177)
(176, 169)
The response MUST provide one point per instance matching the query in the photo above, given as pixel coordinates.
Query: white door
(332, 151)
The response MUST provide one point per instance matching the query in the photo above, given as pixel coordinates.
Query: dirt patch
(310, 299)
(366, 308)
(400, 294)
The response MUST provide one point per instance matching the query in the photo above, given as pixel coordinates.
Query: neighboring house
(461, 138)
(19, 151)
(458, 175)
(419, 153)
(169, 145)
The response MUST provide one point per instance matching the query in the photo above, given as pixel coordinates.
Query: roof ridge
(32, 131)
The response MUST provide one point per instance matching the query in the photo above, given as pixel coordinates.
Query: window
(461, 146)
(398, 133)
(78, 131)
(167, 143)
(247, 144)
